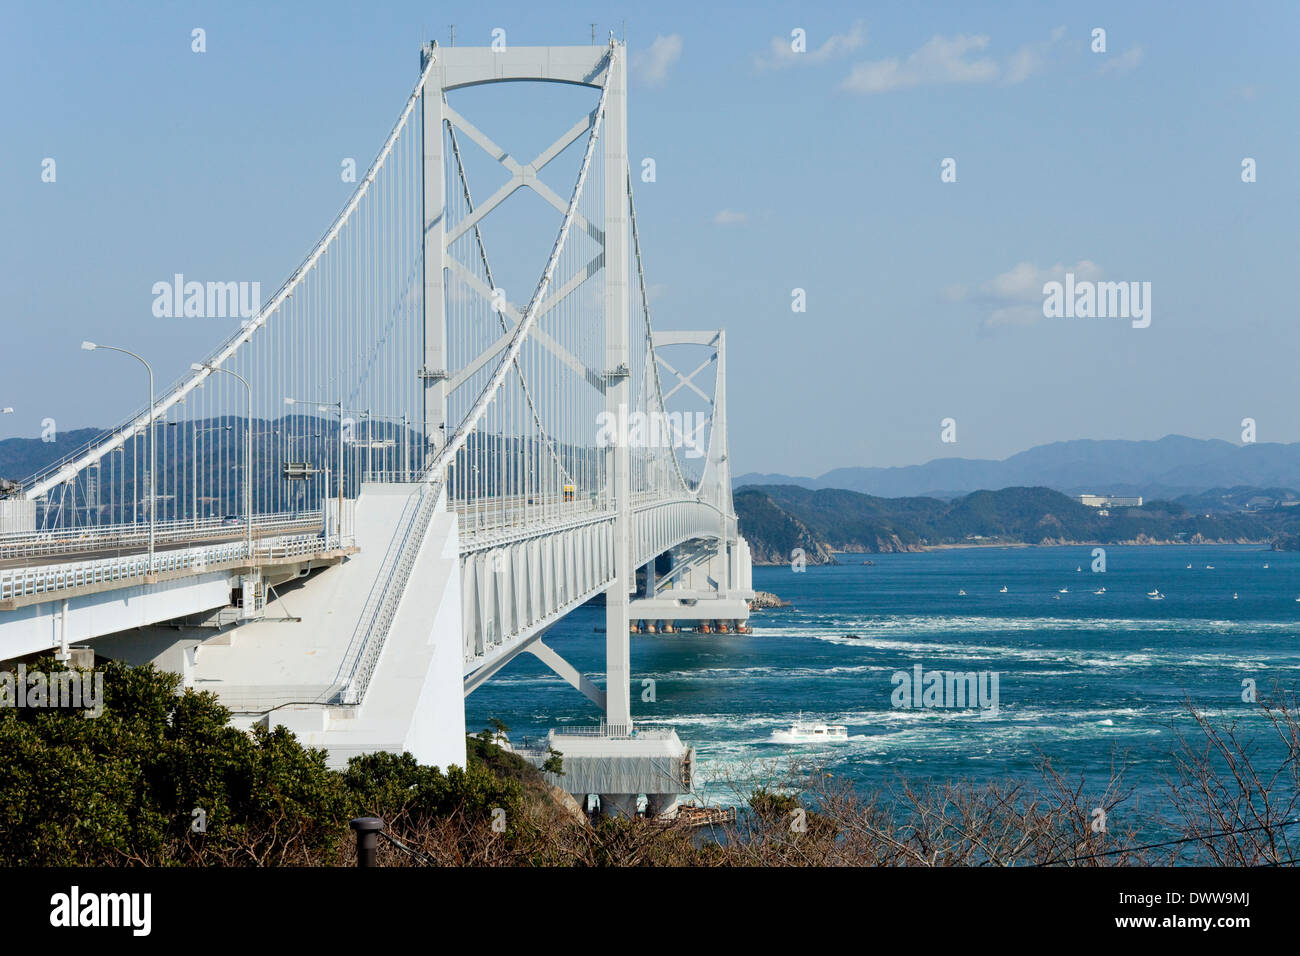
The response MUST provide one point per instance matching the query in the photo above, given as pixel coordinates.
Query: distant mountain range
(20, 458)
(1172, 467)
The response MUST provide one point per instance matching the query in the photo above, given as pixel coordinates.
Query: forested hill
(776, 519)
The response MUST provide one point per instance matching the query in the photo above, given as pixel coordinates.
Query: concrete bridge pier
(662, 804)
(618, 804)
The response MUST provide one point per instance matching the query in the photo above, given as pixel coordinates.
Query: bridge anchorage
(416, 458)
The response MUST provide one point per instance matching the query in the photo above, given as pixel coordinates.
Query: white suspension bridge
(395, 477)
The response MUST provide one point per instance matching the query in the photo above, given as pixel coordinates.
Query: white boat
(1063, 591)
(1234, 595)
(1189, 567)
(1078, 569)
(1265, 565)
(1155, 595)
(1209, 567)
(961, 593)
(1003, 589)
(811, 731)
(1099, 591)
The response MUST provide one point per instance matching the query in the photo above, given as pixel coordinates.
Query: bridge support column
(618, 677)
(433, 197)
(618, 805)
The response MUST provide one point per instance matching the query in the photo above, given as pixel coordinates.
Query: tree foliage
(124, 787)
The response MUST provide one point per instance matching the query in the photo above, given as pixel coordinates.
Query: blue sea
(1088, 680)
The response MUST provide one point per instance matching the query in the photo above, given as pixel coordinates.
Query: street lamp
(248, 453)
(339, 406)
(197, 467)
(90, 347)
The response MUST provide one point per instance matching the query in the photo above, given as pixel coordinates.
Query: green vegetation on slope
(778, 518)
(124, 787)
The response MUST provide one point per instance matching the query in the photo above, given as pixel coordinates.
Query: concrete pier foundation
(621, 768)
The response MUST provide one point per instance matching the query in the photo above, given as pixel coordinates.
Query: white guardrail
(112, 537)
(23, 582)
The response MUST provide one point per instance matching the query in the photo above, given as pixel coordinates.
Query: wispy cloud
(729, 217)
(781, 51)
(940, 60)
(1016, 296)
(1122, 62)
(652, 65)
(1030, 58)
(944, 61)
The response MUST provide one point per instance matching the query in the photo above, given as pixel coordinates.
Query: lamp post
(197, 467)
(248, 453)
(339, 406)
(406, 449)
(91, 347)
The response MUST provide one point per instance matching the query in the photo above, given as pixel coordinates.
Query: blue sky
(775, 171)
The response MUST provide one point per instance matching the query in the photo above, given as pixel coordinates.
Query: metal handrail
(23, 544)
(22, 582)
(381, 605)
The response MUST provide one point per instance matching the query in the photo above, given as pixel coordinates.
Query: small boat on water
(853, 637)
(1209, 567)
(811, 731)
(1189, 567)
(1155, 595)
(1003, 590)
(961, 593)
(1265, 565)
(1099, 591)
(1234, 595)
(1063, 591)
(1079, 568)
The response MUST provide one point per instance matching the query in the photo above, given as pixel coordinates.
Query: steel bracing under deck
(419, 345)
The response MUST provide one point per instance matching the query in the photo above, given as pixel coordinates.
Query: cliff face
(1287, 542)
(773, 533)
(878, 544)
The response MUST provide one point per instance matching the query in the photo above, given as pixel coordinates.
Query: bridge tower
(459, 67)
